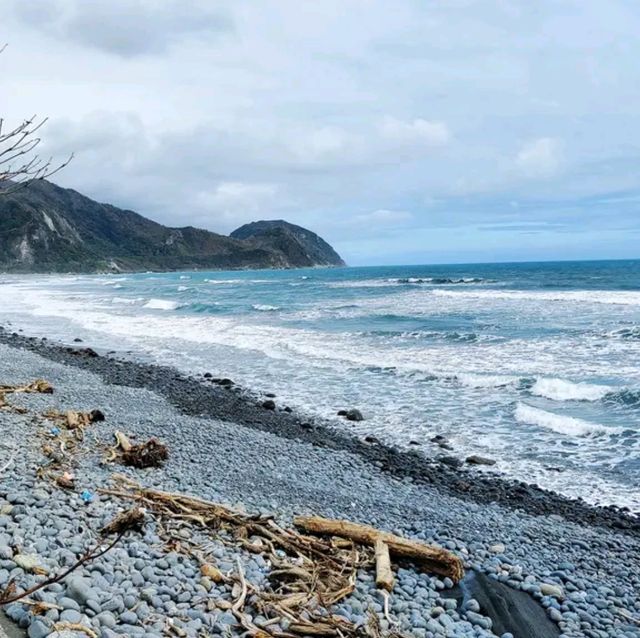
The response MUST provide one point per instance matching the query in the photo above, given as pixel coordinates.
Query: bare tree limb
(19, 161)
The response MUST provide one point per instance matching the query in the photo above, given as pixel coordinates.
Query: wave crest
(562, 390)
(562, 424)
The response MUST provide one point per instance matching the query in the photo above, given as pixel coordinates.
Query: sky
(404, 131)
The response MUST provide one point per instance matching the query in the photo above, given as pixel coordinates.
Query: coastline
(226, 447)
(197, 396)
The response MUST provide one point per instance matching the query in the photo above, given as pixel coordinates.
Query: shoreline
(527, 575)
(199, 396)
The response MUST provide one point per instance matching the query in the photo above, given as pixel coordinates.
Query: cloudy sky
(404, 131)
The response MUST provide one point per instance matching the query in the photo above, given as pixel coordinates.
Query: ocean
(535, 365)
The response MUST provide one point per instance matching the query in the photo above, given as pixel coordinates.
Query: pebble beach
(536, 564)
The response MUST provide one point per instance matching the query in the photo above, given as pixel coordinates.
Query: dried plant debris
(152, 453)
(309, 574)
(74, 420)
(149, 454)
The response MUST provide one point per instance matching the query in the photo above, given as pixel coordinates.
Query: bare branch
(20, 162)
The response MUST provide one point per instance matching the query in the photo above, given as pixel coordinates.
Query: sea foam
(559, 423)
(161, 304)
(561, 390)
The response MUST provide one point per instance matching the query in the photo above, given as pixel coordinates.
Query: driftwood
(384, 575)
(308, 576)
(435, 559)
(39, 385)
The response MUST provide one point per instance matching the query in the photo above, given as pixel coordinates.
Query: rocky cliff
(46, 228)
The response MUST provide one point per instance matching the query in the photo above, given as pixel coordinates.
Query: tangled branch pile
(152, 453)
(308, 576)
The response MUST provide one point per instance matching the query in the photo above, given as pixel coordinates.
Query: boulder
(451, 461)
(475, 459)
(510, 610)
(351, 415)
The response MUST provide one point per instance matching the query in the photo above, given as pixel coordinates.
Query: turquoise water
(535, 365)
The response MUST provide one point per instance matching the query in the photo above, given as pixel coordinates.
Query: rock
(550, 589)
(77, 340)
(71, 615)
(28, 562)
(96, 416)
(351, 415)
(269, 404)
(270, 395)
(474, 459)
(68, 603)
(38, 629)
(79, 589)
(498, 548)
(6, 552)
(510, 610)
(451, 461)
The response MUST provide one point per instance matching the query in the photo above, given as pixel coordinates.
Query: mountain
(46, 228)
(307, 247)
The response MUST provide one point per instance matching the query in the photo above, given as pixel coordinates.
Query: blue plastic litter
(55, 431)
(86, 496)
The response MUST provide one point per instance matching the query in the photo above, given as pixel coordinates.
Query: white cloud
(210, 111)
(383, 218)
(231, 204)
(417, 133)
(540, 158)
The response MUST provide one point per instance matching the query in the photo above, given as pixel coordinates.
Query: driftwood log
(434, 559)
(384, 576)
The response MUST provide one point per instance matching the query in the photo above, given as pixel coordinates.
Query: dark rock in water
(441, 441)
(412, 442)
(207, 375)
(224, 382)
(270, 395)
(306, 426)
(451, 461)
(351, 415)
(475, 459)
(510, 610)
(371, 439)
(342, 413)
(77, 340)
(269, 404)
(287, 409)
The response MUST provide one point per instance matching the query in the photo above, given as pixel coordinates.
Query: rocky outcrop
(294, 242)
(46, 228)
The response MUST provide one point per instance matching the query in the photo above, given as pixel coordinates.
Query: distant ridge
(46, 228)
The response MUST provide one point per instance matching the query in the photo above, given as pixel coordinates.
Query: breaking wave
(561, 390)
(161, 304)
(562, 424)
